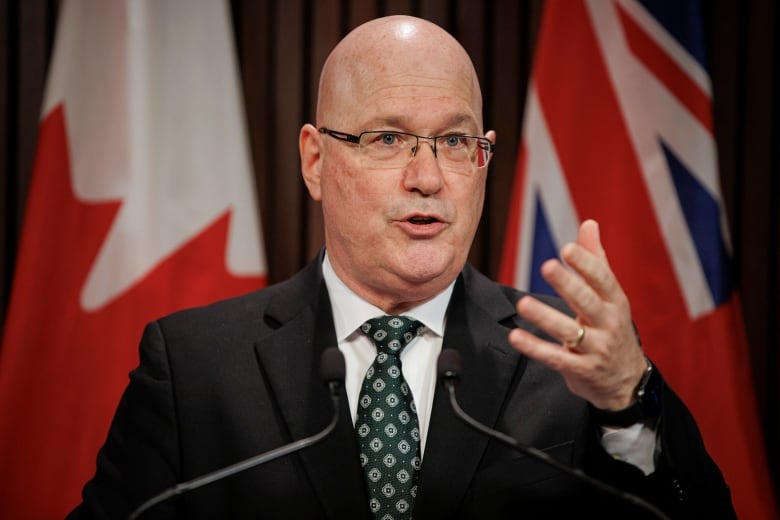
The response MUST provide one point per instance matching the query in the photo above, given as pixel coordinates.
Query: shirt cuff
(635, 444)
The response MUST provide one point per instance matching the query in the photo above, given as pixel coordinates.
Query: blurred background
(281, 46)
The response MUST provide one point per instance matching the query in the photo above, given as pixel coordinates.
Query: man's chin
(430, 270)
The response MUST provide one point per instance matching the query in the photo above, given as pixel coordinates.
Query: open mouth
(421, 221)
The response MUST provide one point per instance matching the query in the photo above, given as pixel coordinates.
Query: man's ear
(310, 149)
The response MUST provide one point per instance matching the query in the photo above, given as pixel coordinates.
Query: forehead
(429, 98)
(424, 81)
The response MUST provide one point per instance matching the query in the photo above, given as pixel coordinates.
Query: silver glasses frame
(483, 143)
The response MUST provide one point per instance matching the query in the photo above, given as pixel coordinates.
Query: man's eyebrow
(460, 119)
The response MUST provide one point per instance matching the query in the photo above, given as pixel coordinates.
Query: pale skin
(399, 237)
(606, 367)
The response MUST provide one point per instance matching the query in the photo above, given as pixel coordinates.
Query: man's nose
(423, 173)
(422, 140)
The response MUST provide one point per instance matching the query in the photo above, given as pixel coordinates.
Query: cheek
(350, 201)
(472, 198)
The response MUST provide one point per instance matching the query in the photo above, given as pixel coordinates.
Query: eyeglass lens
(392, 150)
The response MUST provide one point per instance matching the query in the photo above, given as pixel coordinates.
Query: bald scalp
(393, 49)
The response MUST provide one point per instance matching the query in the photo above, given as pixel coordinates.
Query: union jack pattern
(618, 128)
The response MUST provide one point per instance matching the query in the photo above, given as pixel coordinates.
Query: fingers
(589, 237)
(594, 269)
(600, 365)
(589, 285)
(551, 354)
(580, 296)
(562, 327)
(597, 352)
(576, 342)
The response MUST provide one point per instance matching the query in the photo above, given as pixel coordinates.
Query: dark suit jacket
(225, 382)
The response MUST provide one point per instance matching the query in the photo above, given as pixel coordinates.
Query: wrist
(646, 402)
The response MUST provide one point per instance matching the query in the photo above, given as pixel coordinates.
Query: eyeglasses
(389, 149)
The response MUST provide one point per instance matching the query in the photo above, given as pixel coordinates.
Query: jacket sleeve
(686, 482)
(140, 457)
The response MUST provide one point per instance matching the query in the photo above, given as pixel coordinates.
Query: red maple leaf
(62, 370)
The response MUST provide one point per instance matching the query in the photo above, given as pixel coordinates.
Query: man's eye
(453, 140)
(389, 139)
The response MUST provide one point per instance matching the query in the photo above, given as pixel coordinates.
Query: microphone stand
(451, 375)
(333, 373)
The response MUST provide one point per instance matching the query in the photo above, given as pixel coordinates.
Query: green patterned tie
(386, 425)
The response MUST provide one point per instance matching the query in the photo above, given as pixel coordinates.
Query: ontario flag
(141, 203)
(618, 128)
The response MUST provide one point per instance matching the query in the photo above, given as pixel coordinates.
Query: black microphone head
(449, 364)
(332, 366)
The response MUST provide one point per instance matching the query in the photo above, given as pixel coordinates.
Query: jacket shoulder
(494, 294)
(264, 308)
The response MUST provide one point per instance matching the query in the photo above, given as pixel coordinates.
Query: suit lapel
(453, 450)
(290, 360)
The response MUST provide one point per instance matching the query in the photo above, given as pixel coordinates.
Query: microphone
(332, 372)
(449, 369)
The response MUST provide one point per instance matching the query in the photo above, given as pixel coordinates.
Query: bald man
(398, 159)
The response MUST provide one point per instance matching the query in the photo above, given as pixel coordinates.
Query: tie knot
(391, 334)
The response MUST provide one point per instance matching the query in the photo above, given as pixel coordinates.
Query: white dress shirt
(418, 359)
(635, 444)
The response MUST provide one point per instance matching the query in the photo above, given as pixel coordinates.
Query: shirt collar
(350, 311)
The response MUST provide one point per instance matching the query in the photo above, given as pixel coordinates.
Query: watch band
(647, 403)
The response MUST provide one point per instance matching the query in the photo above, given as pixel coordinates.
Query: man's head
(396, 236)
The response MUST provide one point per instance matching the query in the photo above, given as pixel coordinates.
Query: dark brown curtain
(281, 46)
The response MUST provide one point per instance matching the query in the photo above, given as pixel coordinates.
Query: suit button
(678, 490)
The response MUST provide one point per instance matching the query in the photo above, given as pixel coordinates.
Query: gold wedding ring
(576, 342)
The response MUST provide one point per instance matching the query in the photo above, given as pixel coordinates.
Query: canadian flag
(618, 128)
(141, 203)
